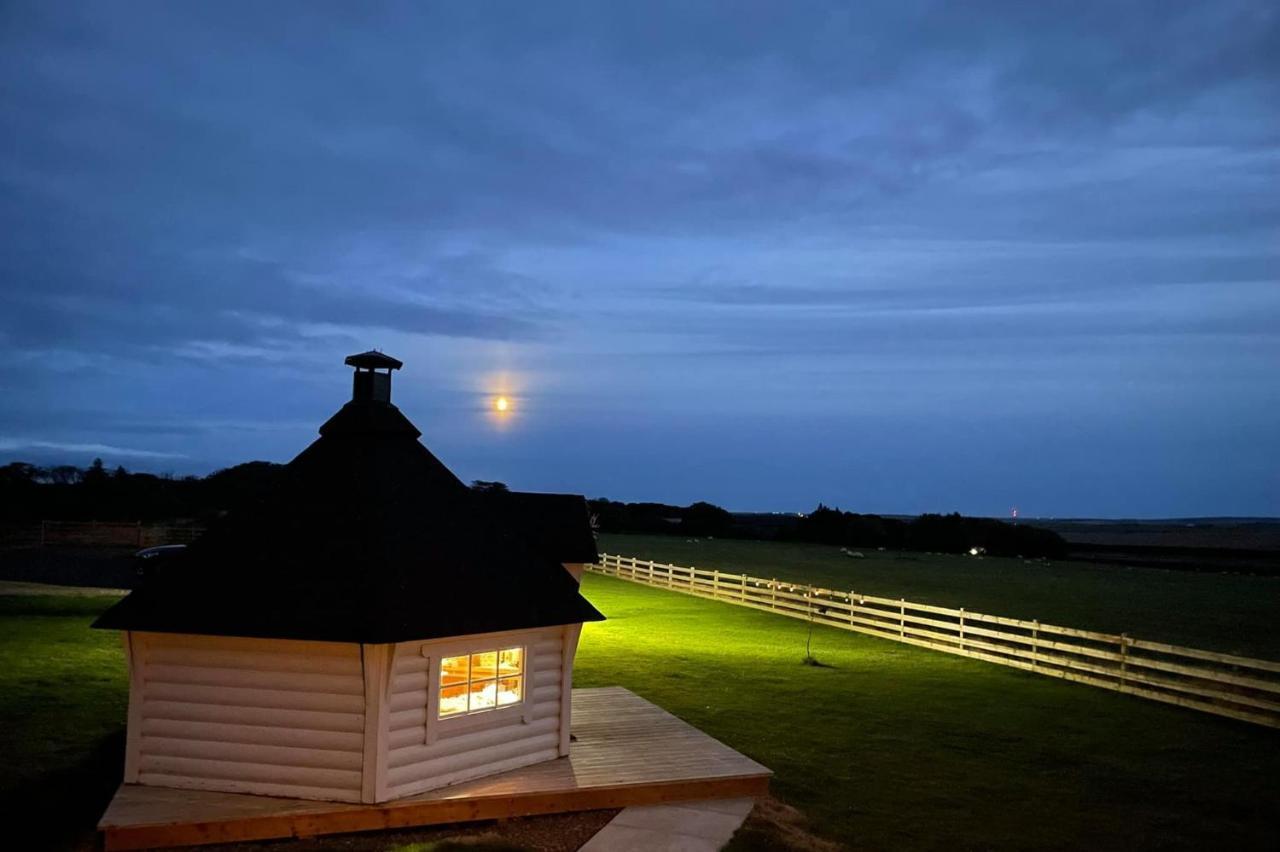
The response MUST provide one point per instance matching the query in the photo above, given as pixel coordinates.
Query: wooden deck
(627, 752)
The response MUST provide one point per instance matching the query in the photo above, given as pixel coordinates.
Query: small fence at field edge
(1239, 687)
(105, 534)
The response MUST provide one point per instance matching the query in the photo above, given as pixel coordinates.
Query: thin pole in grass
(809, 658)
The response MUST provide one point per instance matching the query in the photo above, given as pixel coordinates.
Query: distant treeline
(65, 492)
(952, 533)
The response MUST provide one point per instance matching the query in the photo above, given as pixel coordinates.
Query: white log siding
(270, 717)
(424, 752)
(334, 721)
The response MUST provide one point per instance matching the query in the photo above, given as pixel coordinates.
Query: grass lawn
(63, 698)
(1220, 612)
(889, 748)
(899, 748)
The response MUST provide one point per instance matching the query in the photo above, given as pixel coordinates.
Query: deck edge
(413, 814)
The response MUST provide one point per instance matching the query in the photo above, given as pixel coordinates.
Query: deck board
(627, 752)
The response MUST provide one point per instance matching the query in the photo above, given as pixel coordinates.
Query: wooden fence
(1228, 685)
(111, 534)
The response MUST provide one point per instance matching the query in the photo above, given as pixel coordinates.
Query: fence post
(1124, 660)
(1035, 642)
(961, 628)
(651, 583)
(715, 582)
(851, 597)
(902, 617)
(744, 588)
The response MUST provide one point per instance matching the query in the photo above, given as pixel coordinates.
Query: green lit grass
(1221, 612)
(899, 748)
(63, 697)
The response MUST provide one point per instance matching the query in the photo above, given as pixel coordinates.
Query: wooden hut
(368, 628)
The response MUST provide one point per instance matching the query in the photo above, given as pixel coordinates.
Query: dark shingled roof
(368, 537)
(558, 525)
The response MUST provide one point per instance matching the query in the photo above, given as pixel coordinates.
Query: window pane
(453, 670)
(511, 661)
(484, 665)
(484, 695)
(453, 700)
(510, 690)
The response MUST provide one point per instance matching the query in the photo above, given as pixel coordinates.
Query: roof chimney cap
(372, 360)
(369, 382)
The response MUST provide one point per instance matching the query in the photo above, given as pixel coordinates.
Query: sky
(895, 257)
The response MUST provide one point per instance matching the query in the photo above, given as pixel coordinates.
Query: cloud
(25, 444)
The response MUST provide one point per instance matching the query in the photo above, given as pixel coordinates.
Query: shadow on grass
(61, 809)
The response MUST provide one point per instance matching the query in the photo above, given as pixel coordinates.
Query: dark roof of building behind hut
(558, 525)
(368, 537)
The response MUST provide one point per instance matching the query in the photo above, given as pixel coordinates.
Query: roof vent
(372, 380)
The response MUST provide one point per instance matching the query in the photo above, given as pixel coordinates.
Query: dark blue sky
(897, 257)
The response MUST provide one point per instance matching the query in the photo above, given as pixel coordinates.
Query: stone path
(679, 827)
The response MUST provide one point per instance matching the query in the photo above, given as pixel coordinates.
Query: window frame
(460, 723)
(496, 680)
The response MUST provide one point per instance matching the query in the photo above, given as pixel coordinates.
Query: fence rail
(1228, 685)
(103, 534)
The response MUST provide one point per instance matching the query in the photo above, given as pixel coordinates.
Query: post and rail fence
(98, 534)
(1239, 687)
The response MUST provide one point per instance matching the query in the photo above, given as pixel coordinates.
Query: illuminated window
(473, 683)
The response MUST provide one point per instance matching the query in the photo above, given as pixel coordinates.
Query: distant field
(1263, 534)
(1222, 612)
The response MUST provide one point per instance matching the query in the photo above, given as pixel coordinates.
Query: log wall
(276, 718)
(423, 752)
(333, 721)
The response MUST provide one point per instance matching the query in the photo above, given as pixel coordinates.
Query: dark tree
(705, 519)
